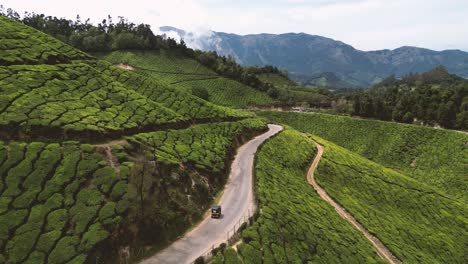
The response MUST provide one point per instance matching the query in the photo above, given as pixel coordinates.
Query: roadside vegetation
(295, 225)
(432, 156)
(189, 146)
(417, 223)
(177, 174)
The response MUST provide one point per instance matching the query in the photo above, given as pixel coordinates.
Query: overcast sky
(364, 24)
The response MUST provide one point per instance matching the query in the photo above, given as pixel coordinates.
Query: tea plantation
(417, 223)
(205, 146)
(295, 225)
(228, 92)
(73, 97)
(65, 201)
(434, 157)
(183, 103)
(169, 67)
(57, 202)
(277, 80)
(24, 45)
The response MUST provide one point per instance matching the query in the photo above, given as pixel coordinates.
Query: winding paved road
(236, 201)
(376, 243)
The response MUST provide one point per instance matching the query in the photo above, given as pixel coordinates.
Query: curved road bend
(236, 201)
(382, 251)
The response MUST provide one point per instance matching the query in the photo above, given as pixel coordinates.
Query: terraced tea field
(189, 146)
(434, 157)
(228, 92)
(24, 45)
(294, 224)
(416, 222)
(70, 202)
(176, 70)
(57, 202)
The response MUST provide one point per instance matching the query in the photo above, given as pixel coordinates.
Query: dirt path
(378, 245)
(106, 149)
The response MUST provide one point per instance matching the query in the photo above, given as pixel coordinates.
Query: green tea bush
(24, 45)
(417, 223)
(181, 102)
(206, 146)
(161, 61)
(432, 156)
(277, 80)
(295, 225)
(228, 92)
(177, 70)
(58, 202)
(74, 97)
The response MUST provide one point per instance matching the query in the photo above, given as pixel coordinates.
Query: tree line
(432, 98)
(120, 34)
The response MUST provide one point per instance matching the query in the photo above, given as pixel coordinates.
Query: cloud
(365, 24)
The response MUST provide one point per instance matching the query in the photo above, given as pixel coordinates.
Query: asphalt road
(237, 200)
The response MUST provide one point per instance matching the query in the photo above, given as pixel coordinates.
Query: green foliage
(65, 193)
(277, 80)
(295, 225)
(75, 97)
(416, 222)
(153, 86)
(22, 44)
(434, 157)
(178, 70)
(433, 97)
(228, 92)
(205, 146)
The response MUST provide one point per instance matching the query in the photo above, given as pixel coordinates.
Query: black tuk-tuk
(216, 211)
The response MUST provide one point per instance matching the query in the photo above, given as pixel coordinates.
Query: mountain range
(317, 60)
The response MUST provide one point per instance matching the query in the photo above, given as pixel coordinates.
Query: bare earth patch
(125, 66)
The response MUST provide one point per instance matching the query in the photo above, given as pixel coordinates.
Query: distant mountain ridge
(305, 55)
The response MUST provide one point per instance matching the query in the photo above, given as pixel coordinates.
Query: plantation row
(155, 62)
(228, 92)
(205, 146)
(57, 202)
(418, 224)
(434, 157)
(277, 80)
(182, 103)
(24, 45)
(295, 225)
(73, 96)
(171, 68)
(173, 78)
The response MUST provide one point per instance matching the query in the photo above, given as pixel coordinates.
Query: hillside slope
(431, 156)
(417, 223)
(182, 72)
(65, 201)
(295, 225)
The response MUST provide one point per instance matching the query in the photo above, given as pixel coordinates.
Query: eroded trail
(376, 243)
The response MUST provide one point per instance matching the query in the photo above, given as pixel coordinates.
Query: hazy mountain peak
(309, 55)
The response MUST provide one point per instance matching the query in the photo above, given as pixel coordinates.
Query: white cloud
(365, 24)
